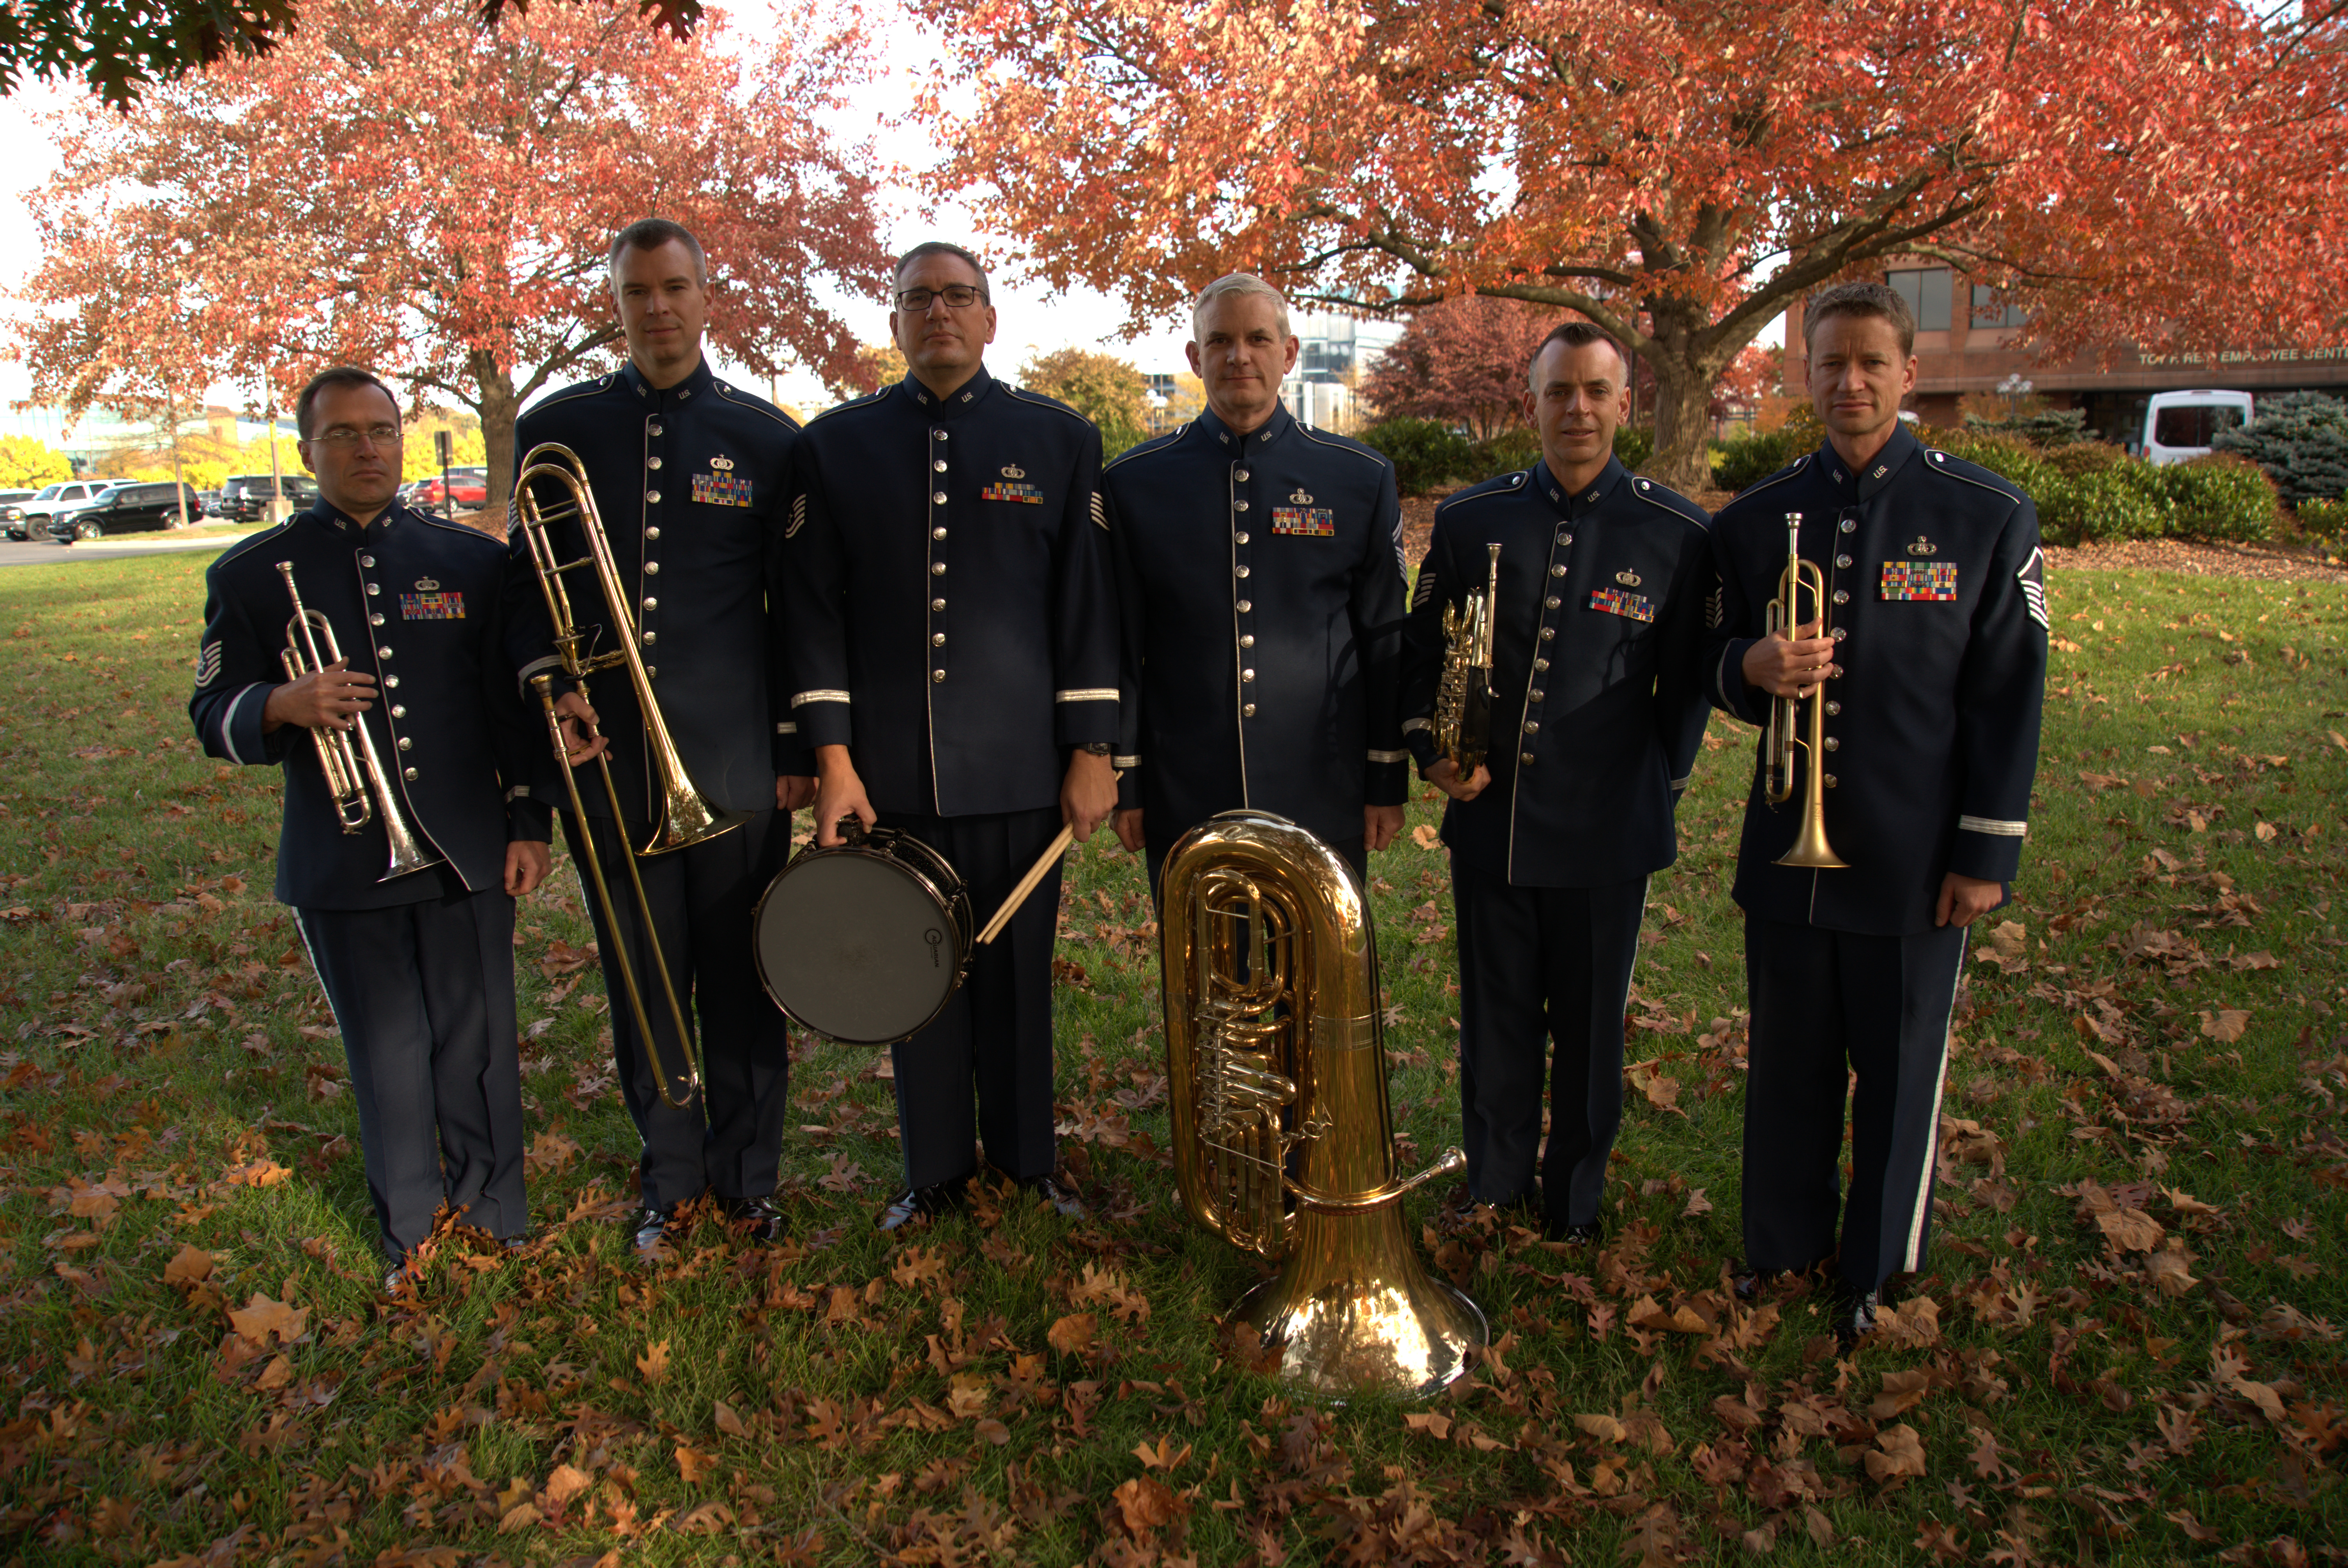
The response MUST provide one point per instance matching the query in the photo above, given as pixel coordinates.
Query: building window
(1928, 291)
(1989, 311)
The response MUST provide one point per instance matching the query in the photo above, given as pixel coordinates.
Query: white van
(2181, 425)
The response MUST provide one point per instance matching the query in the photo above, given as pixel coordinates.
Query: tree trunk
(499, 408)
(1683, 398)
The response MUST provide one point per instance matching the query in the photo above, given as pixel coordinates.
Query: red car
(471, 486)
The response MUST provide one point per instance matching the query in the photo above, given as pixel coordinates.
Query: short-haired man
(1260, 575)
(417, 962)
(954, 642)
(688, 472)
(1932, 655)
(1597, 713)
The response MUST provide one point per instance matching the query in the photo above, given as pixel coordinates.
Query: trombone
(1810, 847)
(687, 816)
(354, 773)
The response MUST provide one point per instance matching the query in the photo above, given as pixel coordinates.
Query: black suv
(126, 509)
(244, 497)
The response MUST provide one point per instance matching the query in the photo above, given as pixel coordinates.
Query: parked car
(471, 486)
(2182, 424)
(29, 519)
(126, 508)
(244, 497)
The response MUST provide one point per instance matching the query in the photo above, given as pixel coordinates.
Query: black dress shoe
(759, 1218)
(1854, 1317)
(651, 1229)
(925, 1203)
(1048, 1190)
(1749, 1283)
(1588, 1233)
(404, 1276)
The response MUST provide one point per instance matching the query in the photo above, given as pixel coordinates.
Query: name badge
(1618, 601)
(1916, 579)
(445, 605)
(1308, 522)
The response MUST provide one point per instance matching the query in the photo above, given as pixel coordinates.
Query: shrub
(1424, 453)
(2079, 457)
(1503, 454)
(2324, 520)
(2123, 502)
(2047, 427)
(2219, 498)
(2300, 439)
(1633, 444)
(1747, 460)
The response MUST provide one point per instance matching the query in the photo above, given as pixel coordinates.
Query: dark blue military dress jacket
(422, 606)
(1261, 584)
(690, 481)
(1937, 593)
(1599, 703)
(949, 600)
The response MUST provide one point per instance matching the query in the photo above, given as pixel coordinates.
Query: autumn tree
(1680, 171)
(395, 186)
(876, 365)
(1461, 362)
(1105, 389)
(27, 464)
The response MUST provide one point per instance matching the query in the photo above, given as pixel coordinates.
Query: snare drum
(864, 942)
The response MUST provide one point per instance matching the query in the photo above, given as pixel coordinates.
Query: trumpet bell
(1810, 850)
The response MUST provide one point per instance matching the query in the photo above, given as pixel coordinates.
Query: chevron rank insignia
(1629, 606)
(1913, 580)
(448, 605)
(208, 664)
(721, 487)
(2032, 578)
(1311, 522)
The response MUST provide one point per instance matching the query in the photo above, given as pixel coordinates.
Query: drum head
(853, 947)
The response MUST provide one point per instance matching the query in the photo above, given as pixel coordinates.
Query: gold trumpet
(1810, 847)
(1283, 1132)
(1463, 700)
(687, 816)
(355, 772)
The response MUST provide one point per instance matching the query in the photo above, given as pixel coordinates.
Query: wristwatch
(1096, 748)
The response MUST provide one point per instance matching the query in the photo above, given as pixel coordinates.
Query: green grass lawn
(2127, 1348)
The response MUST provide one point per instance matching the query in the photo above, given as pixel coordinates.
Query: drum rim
(954, 907)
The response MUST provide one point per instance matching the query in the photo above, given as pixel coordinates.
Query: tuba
(355, 772)
(687, 816)
(1282, 1135)
(1463, 700)
(1810, 848)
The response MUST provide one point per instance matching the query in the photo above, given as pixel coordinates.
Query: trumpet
(1463, 701)
(1283, 1133)
(354, 773)
(1810, 847)
(687, 816)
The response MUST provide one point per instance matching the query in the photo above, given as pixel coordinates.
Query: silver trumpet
(354, 773)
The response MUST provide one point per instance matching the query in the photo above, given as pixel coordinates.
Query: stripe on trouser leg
(317, 973)
(1911, 1258)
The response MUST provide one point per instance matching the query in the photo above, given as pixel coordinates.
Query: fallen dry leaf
(1899, 1451)
(1070, 1336)
(1437, 1427)
(189, 1265)
(566, 1483)
(653, 1362)
(264, 1315)
(2226, 1025)
(1426, 837)
(2130, 1230)
(1145, 1503)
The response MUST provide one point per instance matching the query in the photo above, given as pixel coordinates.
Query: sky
(1031, 319)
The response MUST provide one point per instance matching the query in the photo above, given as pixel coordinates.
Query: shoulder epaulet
(751, 401)
(1040, 401)
(1499, 485)
(867, 401)
(1656, 494)
(244, 545)
(1956, 467)
(1154, 444)
(1344, 444)
(576, 389)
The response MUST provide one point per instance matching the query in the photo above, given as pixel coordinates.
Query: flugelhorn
(686, 816)
(1463, 700)
(1283, 1134)
(1810, 847)
(355, 772)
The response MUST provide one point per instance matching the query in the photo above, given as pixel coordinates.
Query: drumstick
(1044, 863)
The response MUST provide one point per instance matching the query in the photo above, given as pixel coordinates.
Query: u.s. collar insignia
(1923, 547)
(1627, 578)
(427, 584)
(1013, 471)
(723, 465)
(1300, 499)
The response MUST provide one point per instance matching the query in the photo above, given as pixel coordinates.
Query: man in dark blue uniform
(1597, 713)
(1933, 655)
(417, 962)
(953, 644)
(688, 473)
(1260, 578)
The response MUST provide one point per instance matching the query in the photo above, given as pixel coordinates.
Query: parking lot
(46, 552)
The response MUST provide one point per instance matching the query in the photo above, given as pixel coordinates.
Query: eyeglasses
(957, 296)
(343, 436)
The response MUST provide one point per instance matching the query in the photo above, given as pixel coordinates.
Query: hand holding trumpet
(1792, 666)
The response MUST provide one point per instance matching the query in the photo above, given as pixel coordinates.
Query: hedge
(1426, 454)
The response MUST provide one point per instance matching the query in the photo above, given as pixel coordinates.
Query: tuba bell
(1283, 1134)
(1810, 849)
(1463, 698)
